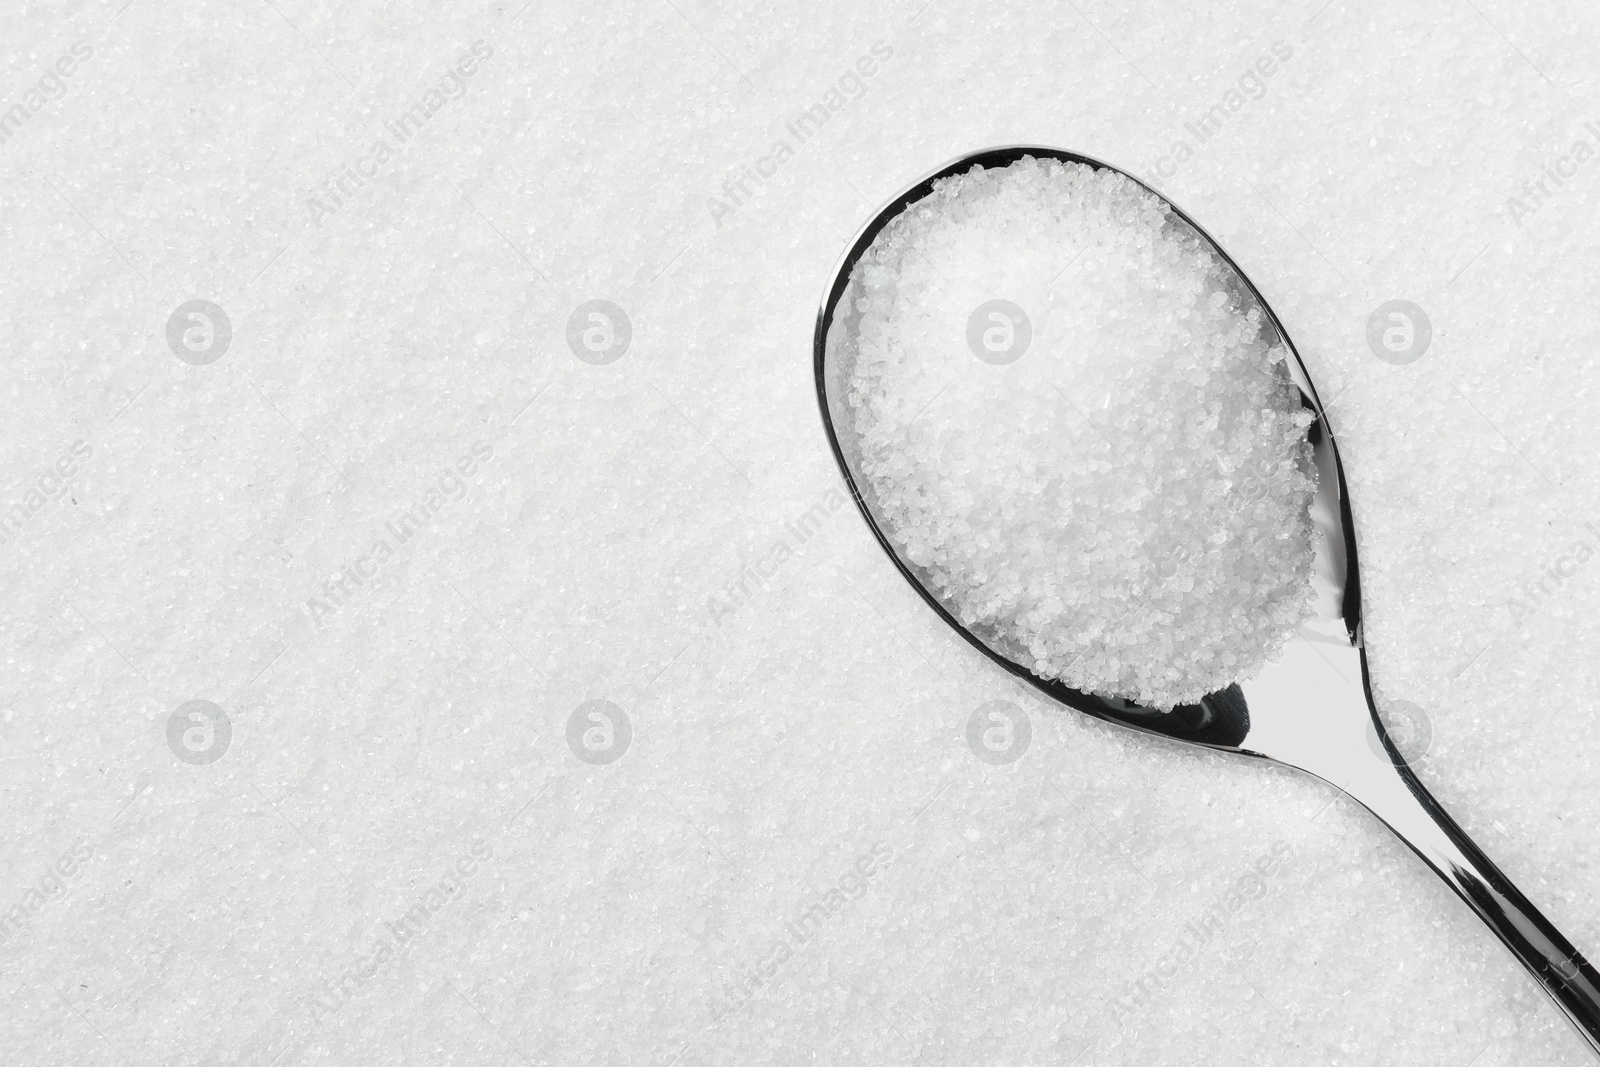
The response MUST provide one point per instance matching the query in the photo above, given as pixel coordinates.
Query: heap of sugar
(1075, 423)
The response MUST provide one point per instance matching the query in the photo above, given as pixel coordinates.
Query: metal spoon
(1312, 709)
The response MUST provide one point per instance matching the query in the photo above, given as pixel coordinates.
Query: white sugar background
(827, 715)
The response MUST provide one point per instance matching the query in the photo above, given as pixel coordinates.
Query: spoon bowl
(1311, 708)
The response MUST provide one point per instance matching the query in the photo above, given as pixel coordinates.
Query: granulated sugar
(1075, 421)
(660, 532)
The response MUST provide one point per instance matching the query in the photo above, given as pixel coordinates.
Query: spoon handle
(1406, 807)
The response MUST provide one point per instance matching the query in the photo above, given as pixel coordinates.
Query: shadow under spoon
(1311, 709)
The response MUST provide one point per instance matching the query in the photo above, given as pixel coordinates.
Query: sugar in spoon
(1311, 709)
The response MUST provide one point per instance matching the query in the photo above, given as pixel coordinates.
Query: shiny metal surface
(1313, 708)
